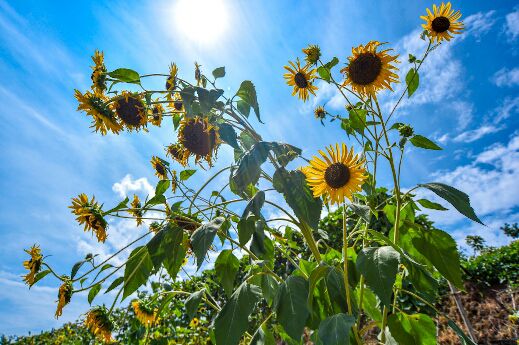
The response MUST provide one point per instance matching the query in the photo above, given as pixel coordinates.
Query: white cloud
(509, 107)
(128, 184)
(512, 25)
(506, 77)
(479, 24)
(478, 133)
(464, 112)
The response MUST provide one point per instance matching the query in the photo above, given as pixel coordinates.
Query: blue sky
(468, 101)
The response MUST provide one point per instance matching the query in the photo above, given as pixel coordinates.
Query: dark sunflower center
(129, 110)
(156, 114)
(337, 175)
(177, 105)
(365, 69)
(300, 80)
(174, 152)
(441, 24)
(160, 169)
(170, 83)
(197, 139)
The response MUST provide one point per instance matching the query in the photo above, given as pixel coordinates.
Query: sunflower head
(64, 295)
(130, 109)
(319, 112)
(442, 22)
(144, 312)
(199, 138)
(185, 222)
(96, 105)
(160, 167)
(175, 103)
(136, 209)
(177, 152)
(312, 54)
(194, 323)
(171, 82)
(155, 227)
(33, 264)
(98, 73)
(369, 71)
(185, 261)
(156, 114)
(89, 213)
(99, 323)
(336, 175)
(301, 79)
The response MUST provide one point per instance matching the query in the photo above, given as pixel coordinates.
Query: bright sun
(201, 21)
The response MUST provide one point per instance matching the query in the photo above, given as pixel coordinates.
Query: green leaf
(246, 227)
(219, 72)
(370, 304)
(233, 320)
(324, 73)
(362, 211)
(157, 199)
(335, 330)
(228, 135)
(379, 267)
(317, 274)
(254, 205)
(247, 92)
(464, 339)
(208, 98)
(332, 63)
(164, 243)
(162, 187)
(173, 260)
(248, 170)
(358, 119)
(94, 290)
(263, 336)
(40, 276)
(192, 302)
(176, 120)
(121, 205)
(456, 198)
(431, 205)
(285, 153)
(412, 79)
(291, 306)
(115, 284)
(203, 237)
(188, 97)
(76, 268)
(126, 75)
(424, 143)
(269, 287)
(243, 107)
(292, 184)
(226, 266)
(185, 174)
(416, 329)
(138, 269)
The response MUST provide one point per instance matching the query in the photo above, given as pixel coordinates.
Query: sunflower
(186, 222)
(155, 227)
(33, 264)
(369, 70)
(146, 315)
(98, 73)
(301, 78)
(173, 181)
(175, 103)
(319, 112)
(442, 23)
(129, 107)
(171, 82)
(136, 210)
(156, 114)
(64, 296)
(90, 214)
(337, 175)
(185, 261)
(160, 168)
(194, 323)
(198, 74)
(96, 105)
(176, 152)
(98, 322)
(312, 54)
(199, 138)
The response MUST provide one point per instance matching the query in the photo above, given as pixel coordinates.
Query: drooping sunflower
(442, 23)
(96, 105)
(319, 112)
(335, 176)
(98, 322)
(144, 313)
(198, 74)
(160, 167)
(369, 71)
(194, 323)
(156, 114)
(312, 54)
(301, 78)
(98, 73)
(64, 296)
(171, 82)
(175, 103)
(176, 151)
(199, 138)
(130, 109)
(136, 209)
(33, 264)
(89, 212)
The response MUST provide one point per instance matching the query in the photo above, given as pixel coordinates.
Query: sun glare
(201, 21)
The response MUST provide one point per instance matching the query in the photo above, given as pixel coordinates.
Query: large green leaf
(175, 257)
(379, 267)
(412, 79)
(203, 237)
(424, 143)
(291, 306)
(219, 72)
(254, 205)
(137, 271)
(285, 153)
(263, 336)
(166, 242)
(415, 329)
(226, 267)
(228, 135)
(248, 167)
(162, 187)
(115, 284)
(456, 198)
(292, 184)
(233, 320)
(208, 98)
(269, 287)
(335, 330)
(192, 302)
(246, 227)
(247, 92)
(464, 339)
(125, 75)
(94, 290)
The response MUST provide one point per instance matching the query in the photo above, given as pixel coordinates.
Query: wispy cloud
(512, 25)
(478, 133)
(506, 77)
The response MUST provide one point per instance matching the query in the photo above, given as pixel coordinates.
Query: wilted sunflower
(146, 315)
(98, 322)
(301, 78)
(160, 167)
(96, 105)
(156, 114)
(369, 70)
(442, 23)
(175, 103)
(194, 323)
(90, 214)
(136, 209)
(64, 296)
(98, 73)
(129, 107)
(319, 112)
(33, 264)
(171, 82)
(198, 74)
(337, 175)
(312, 54)
(199, 138)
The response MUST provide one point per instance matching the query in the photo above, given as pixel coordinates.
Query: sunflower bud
(313, 53)
(406, 131)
